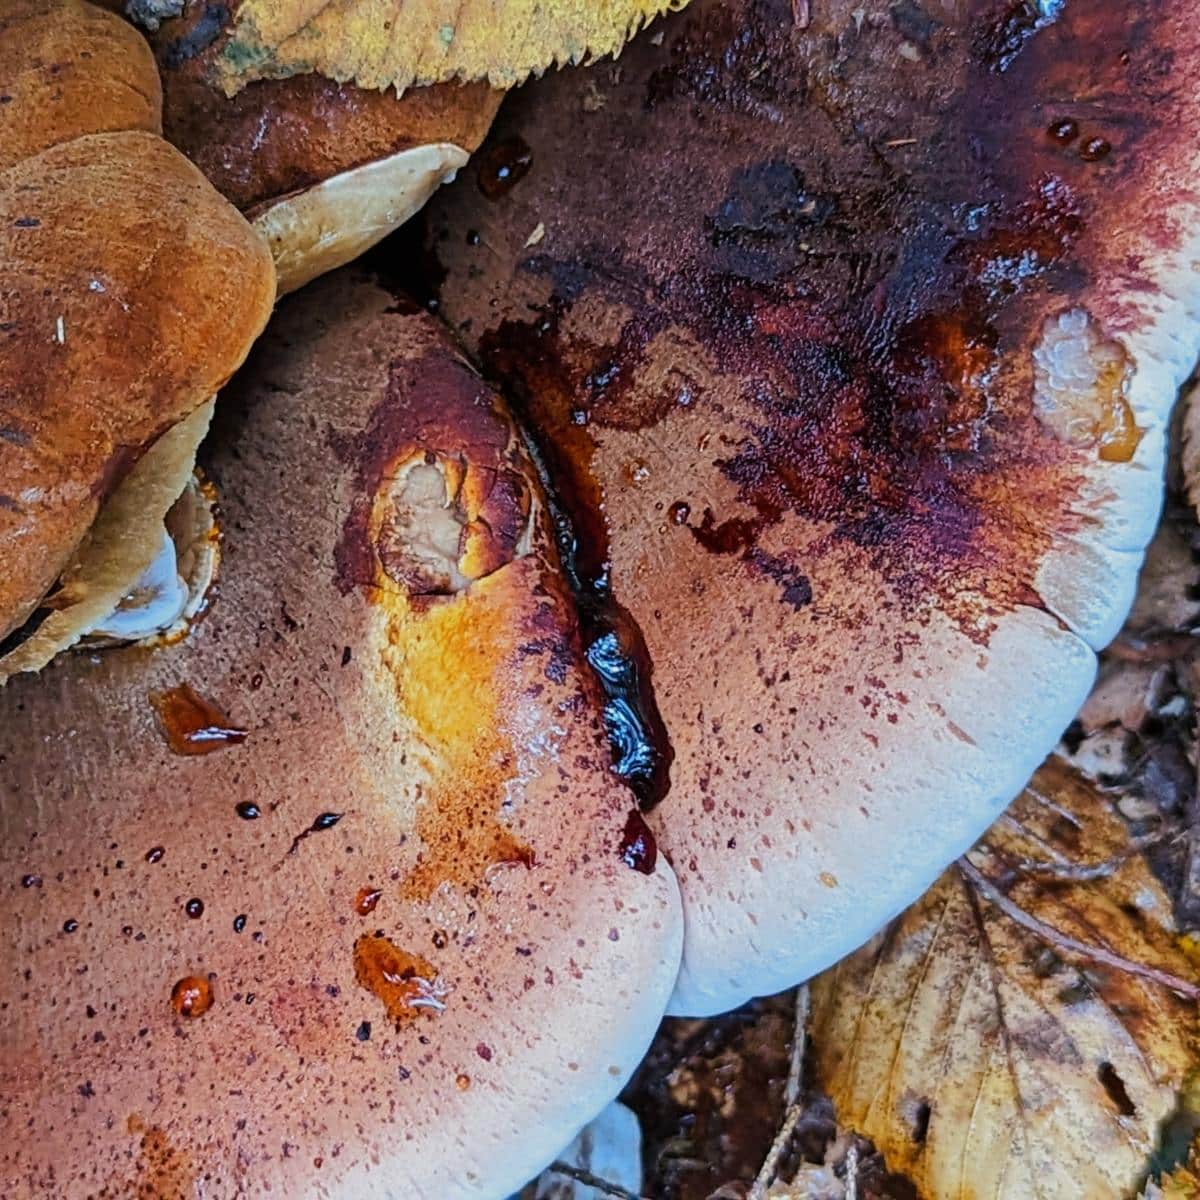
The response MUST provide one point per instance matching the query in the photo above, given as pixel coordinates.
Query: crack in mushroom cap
(850, 344)
(129, 289)
(324, 169)
(392, 894)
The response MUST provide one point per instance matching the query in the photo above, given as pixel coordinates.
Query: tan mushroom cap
(67, 68)
(325, 170)
(851, 348)
(129, 292)
(428, 960)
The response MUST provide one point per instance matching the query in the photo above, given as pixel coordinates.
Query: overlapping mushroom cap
(338, 895)
(129, 292)
(323, 169)
(849, 339)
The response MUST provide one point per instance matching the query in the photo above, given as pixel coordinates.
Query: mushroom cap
(851, 345)
(427, 960)
(129, 292)
(324, 169)
(69, 69)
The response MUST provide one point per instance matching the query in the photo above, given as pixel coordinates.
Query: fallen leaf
(1183, 1183)
(1189, 402)
(990, 1062)
(387, 43)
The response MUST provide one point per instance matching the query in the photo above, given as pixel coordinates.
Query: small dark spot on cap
(1114, 1085)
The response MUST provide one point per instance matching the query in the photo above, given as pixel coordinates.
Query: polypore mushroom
(849, 343)
(323, 169)
(129, 292)
(338, 895)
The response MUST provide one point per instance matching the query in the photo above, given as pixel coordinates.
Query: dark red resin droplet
(638, 848)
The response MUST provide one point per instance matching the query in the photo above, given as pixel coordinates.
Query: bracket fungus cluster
(653, 662)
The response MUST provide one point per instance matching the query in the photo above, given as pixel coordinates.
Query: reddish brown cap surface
(67, 69)
(393, 894)
(129, 291)
(850, 346)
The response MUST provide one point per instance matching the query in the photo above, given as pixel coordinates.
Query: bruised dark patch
(430, 402)
(913, 22)
(637, 847)
(794, 586)
(559, 652)
(203, 32)
(875, 324)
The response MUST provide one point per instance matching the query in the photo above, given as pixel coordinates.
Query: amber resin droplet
(193, 725)
(192, 996)
(1063, 132)
(407, 984)
(365, 901)
(638, 849)
(504, 166)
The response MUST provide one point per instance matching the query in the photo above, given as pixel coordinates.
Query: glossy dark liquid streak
(614, 645)
(326, 820)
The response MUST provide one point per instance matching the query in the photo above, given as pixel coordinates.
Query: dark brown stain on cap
(864, 235)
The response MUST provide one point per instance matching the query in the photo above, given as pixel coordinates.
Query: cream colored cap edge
(329, 225)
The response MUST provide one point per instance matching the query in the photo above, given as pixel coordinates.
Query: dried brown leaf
(987, 1063)
(1190, 441)
(388, 43)
(1183, 1183)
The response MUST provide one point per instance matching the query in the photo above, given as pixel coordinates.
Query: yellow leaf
(394, 43)
(986, 1061)
(1183, 1183)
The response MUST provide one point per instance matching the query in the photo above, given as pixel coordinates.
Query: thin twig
(852, 1172)
(791, 1098)
(1081, 872)
(593, 1181)
(1071, 945)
